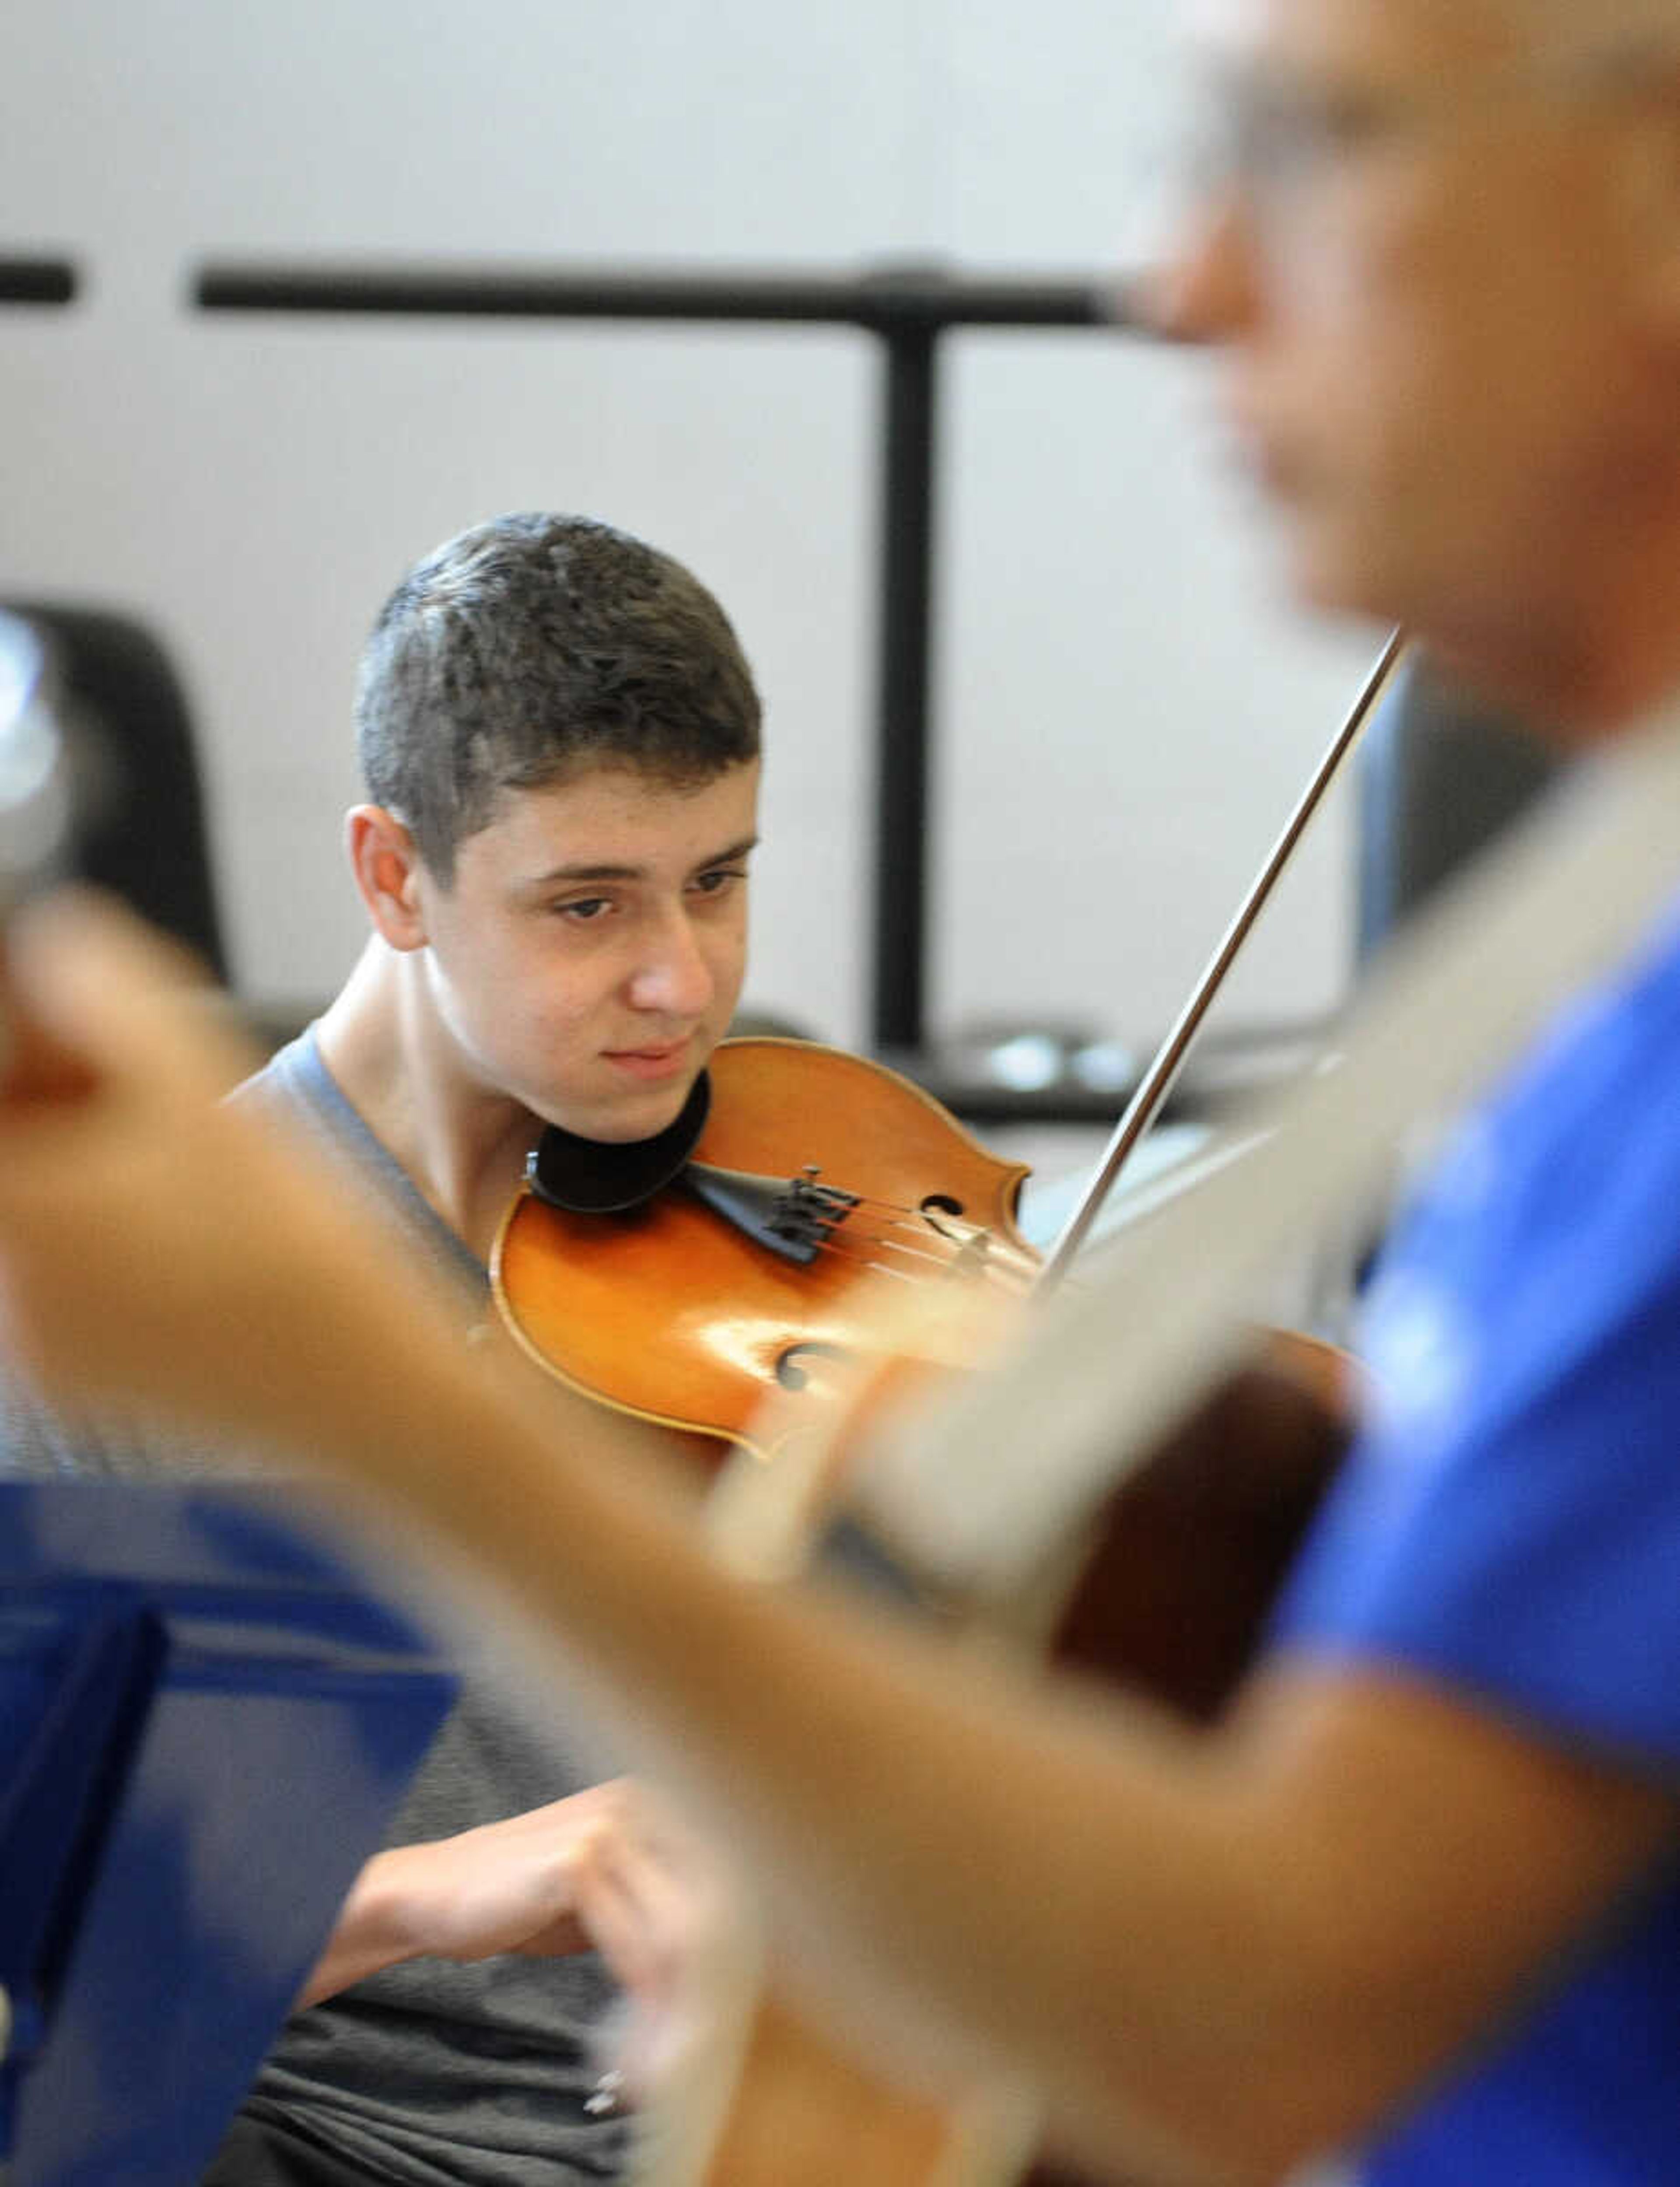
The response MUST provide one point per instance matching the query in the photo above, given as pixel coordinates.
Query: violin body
(667, 1314)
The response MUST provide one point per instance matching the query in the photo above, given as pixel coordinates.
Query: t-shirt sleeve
(1509, 1524)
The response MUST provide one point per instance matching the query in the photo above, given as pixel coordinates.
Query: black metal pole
(904, 657)
(877, 301)
(36, 281)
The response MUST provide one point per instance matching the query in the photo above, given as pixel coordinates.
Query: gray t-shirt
(429, 2074)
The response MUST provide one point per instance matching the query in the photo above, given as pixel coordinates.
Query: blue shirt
(1508, 1525)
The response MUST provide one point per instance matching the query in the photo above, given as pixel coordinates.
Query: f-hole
(791, 1367)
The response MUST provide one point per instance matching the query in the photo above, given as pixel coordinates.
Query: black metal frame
(38, 281)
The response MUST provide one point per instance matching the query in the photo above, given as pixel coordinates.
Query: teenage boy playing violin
(559, 741)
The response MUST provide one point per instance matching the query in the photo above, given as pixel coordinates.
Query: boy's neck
(462, 1146)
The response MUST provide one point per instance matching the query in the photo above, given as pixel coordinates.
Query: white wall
(1126, 710)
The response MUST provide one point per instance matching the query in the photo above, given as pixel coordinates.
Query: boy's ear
(385, 863)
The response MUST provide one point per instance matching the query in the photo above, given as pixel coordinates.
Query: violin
(688, 1281)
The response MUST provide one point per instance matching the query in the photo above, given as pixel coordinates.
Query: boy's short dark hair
(530, 648)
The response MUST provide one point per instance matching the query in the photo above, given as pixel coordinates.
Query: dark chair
(1440, 776)
(143, 835)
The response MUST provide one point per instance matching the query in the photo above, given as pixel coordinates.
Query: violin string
(957, 1260)
(844, 1246)
(990, 1280)
(975, 1245)
(991, 1245)
(934, 1248)
(923, 1219)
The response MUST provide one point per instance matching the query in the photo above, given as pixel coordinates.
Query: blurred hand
(506, 1887)
(154, 1243)
(659, 1904)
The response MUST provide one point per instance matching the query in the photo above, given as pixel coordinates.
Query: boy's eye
(719, 876)
(584, 908)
